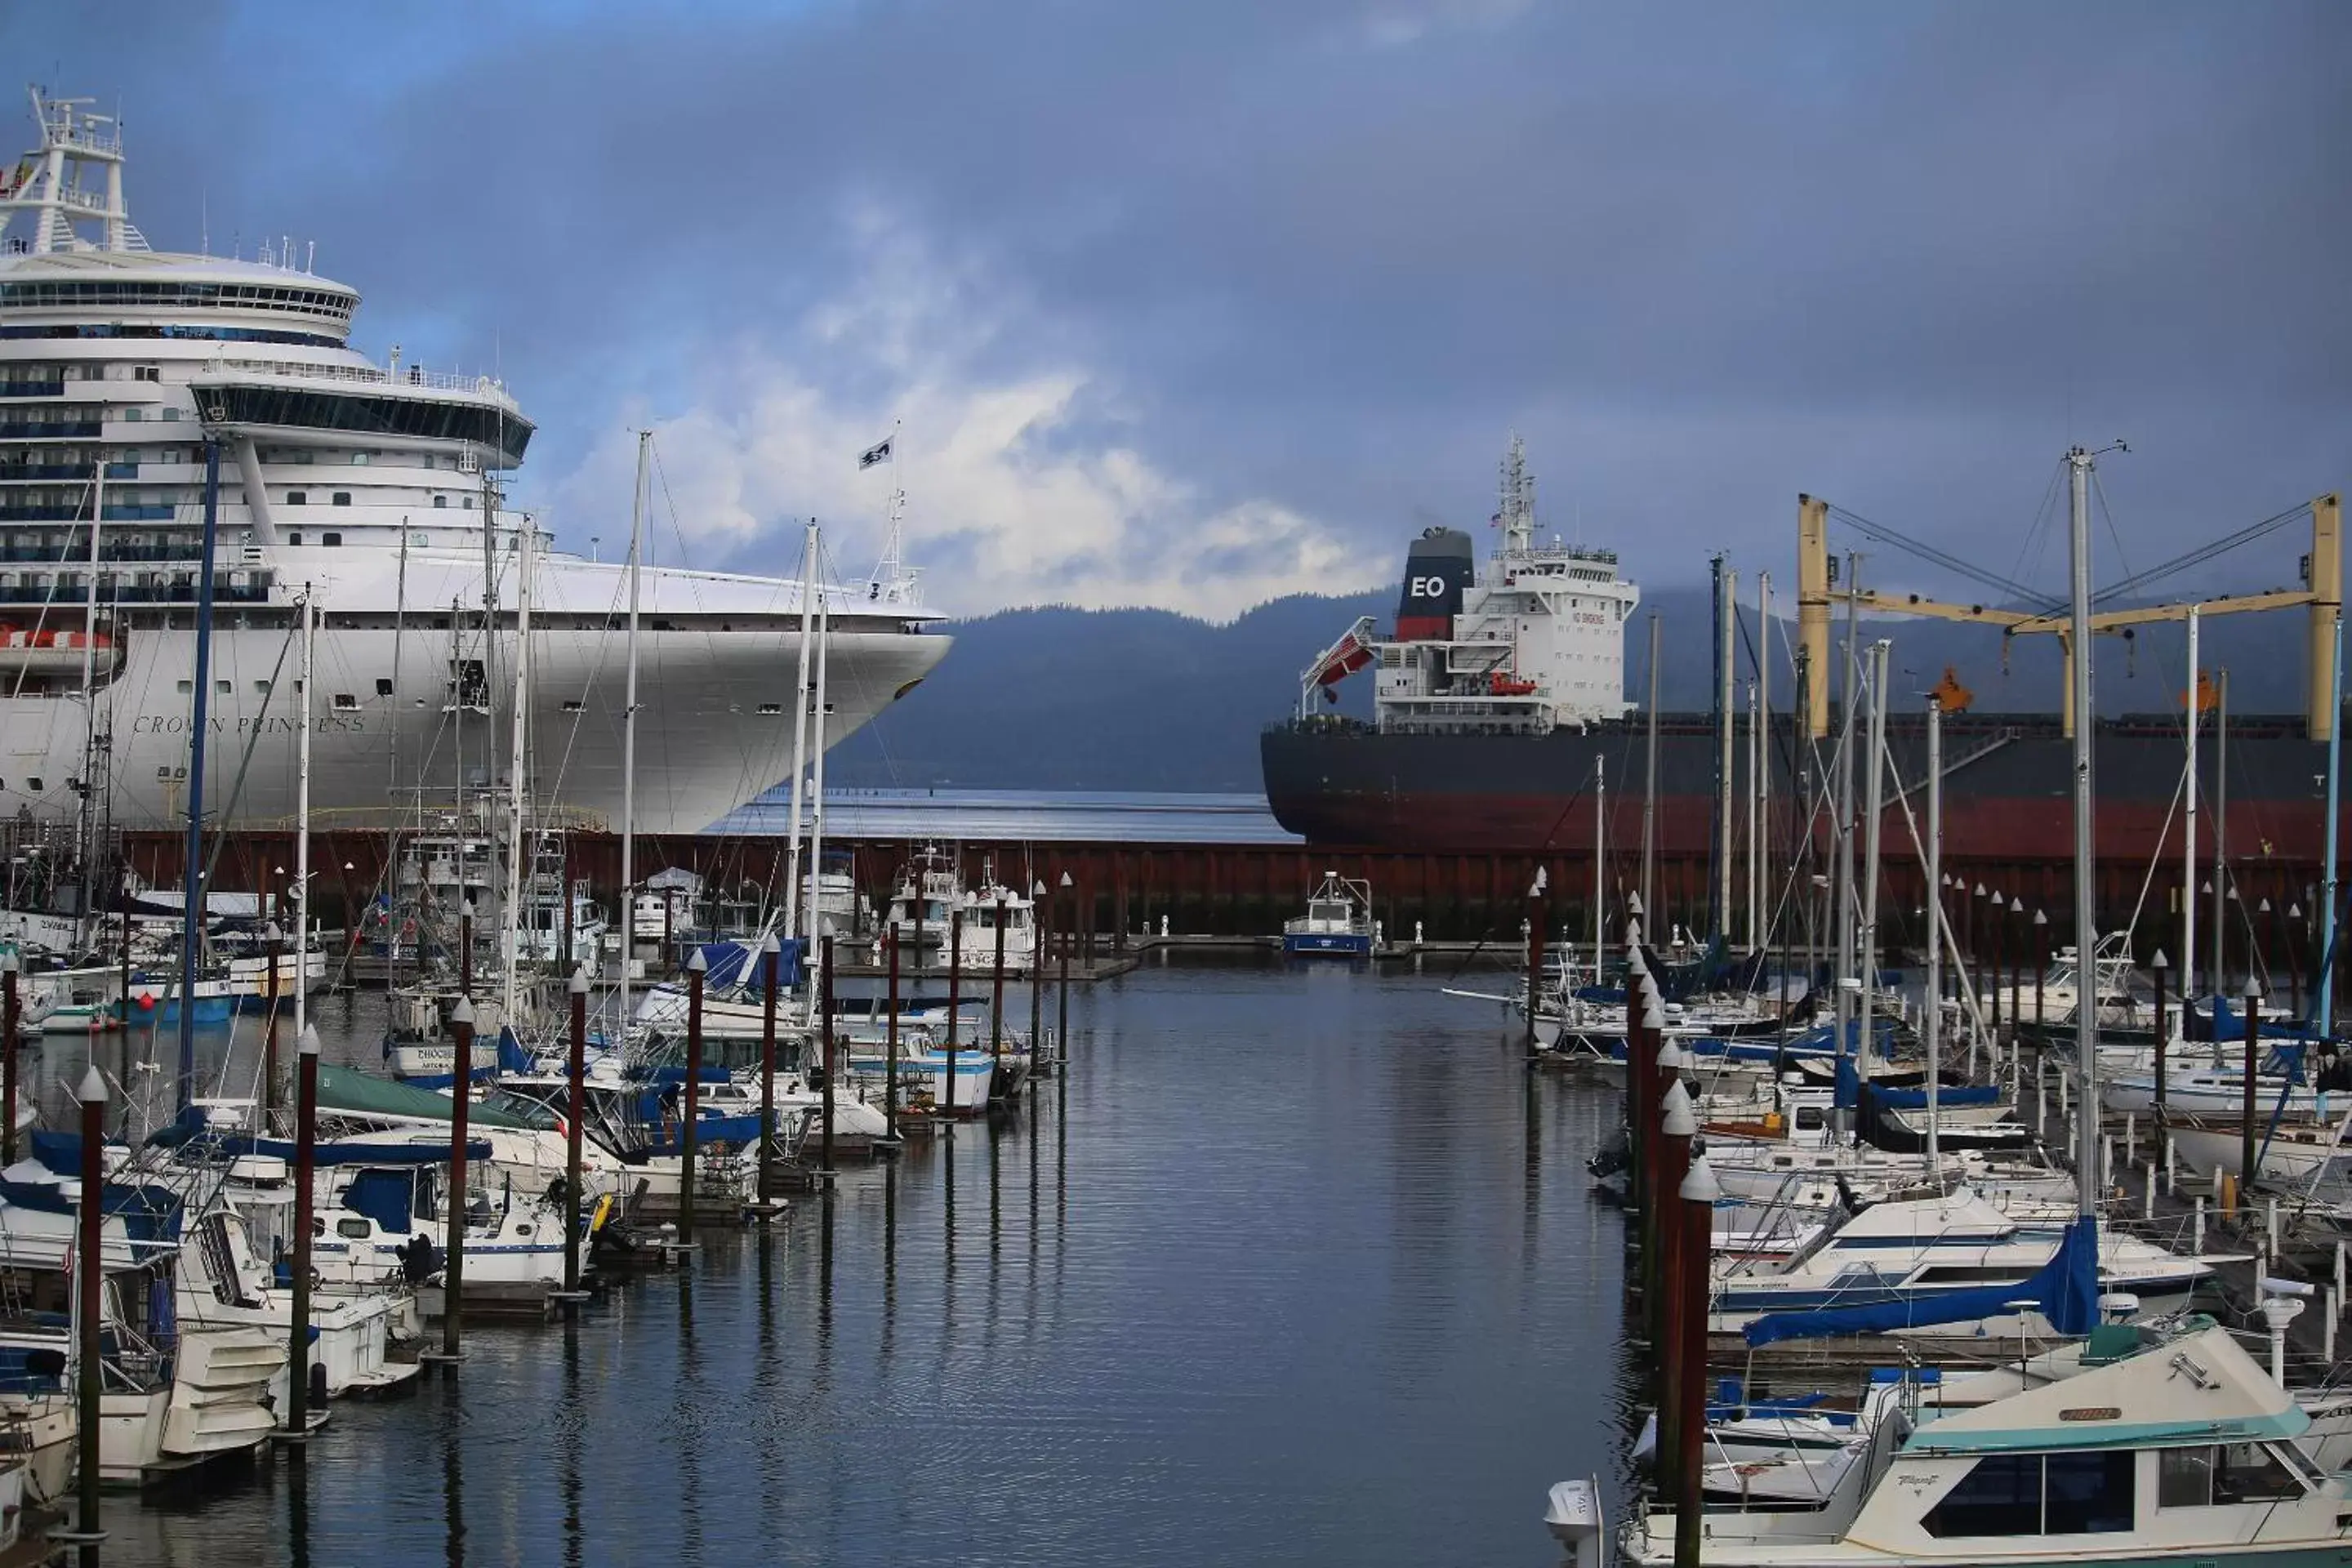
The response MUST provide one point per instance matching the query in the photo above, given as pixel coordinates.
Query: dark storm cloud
(1325, 255)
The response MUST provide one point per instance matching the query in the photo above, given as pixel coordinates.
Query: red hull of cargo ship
(2007, 790)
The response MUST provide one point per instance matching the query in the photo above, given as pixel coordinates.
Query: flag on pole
(873, 455)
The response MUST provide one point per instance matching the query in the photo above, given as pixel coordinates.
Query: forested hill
(1148, 700)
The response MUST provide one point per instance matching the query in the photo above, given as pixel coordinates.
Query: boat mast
(2220, 819)
(1842, 968)
(816, 806)
(800, 732)
(2087, 941)
(2327, 872)
(1650, 791)
(1931, 1018)
(303, 824)
(199, 719)
(2189, 840)
(391, 819)
(516, 794)
(1876, 795)
(1600, 861)
(1760, 759)
(629, 748)
(85, 836)
(1727, 585)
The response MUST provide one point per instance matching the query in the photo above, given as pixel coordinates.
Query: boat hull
(701, 714)
(2007, 793)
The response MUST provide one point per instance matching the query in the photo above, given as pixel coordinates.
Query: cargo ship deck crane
(2323, 593)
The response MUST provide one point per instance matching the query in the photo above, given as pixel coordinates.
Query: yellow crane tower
(2323, 591)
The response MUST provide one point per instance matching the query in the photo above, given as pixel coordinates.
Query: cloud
(1023, 486)
(1134, 275)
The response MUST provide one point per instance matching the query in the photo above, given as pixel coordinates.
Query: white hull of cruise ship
(704, 742)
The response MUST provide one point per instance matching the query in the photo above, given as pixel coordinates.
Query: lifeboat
(43, 651)
(1501, 685)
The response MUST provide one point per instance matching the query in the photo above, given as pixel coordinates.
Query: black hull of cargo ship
(2008, 789)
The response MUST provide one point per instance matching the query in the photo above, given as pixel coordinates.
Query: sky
(1200, 303)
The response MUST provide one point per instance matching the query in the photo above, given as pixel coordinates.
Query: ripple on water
(1293, 1266)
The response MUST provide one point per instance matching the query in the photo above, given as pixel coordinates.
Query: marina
(961, 991)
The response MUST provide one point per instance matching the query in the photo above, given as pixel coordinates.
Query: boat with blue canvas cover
(1949, 1266)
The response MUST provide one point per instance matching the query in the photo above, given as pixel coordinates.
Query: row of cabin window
(2095, 1493)
(343, 498)
(346, 702)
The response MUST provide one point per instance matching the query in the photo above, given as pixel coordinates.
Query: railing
(50, 429)
(73, 513)
(65, 470)
(368, 376)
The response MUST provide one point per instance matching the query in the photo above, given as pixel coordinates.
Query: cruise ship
(128, 377)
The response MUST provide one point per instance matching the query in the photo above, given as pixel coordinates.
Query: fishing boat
(1337, 921)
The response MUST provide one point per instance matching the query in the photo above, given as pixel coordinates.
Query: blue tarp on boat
(1950, 1094)
(2066, 1289)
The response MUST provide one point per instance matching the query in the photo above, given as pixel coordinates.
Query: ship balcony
(25, 471)
(72, 588)
(50, 430)
(33, 388)
(134, 513)
(74, 546)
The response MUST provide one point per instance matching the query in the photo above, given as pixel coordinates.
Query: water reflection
(1334, 1293)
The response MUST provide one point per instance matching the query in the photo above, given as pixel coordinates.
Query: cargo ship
(1501, 724)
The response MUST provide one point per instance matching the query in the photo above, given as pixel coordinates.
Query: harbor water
(1293, 1265)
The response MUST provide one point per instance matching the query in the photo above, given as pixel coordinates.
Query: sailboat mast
(2189, 838)
(1650, 792)
(1931, 1016)
(516, 792)
(1600, 862)
(1727, 585)
(85, 839)
(1760, 768)
(192, 907)
(303, 824)
(2220, 819)
(2086, 938)
(816, 802)
(392, 819)
(1876, 795)
(2326, 1016)
(1841, 968)
(800, 733)
(629, 746)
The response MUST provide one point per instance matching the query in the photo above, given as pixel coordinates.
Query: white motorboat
(2179, 1452)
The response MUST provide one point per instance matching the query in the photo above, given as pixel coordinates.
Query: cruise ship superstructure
(377, 488)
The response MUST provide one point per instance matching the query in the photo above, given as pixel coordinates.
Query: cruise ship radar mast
(48, 183)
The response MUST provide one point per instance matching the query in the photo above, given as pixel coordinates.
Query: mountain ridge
(1056, 698)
